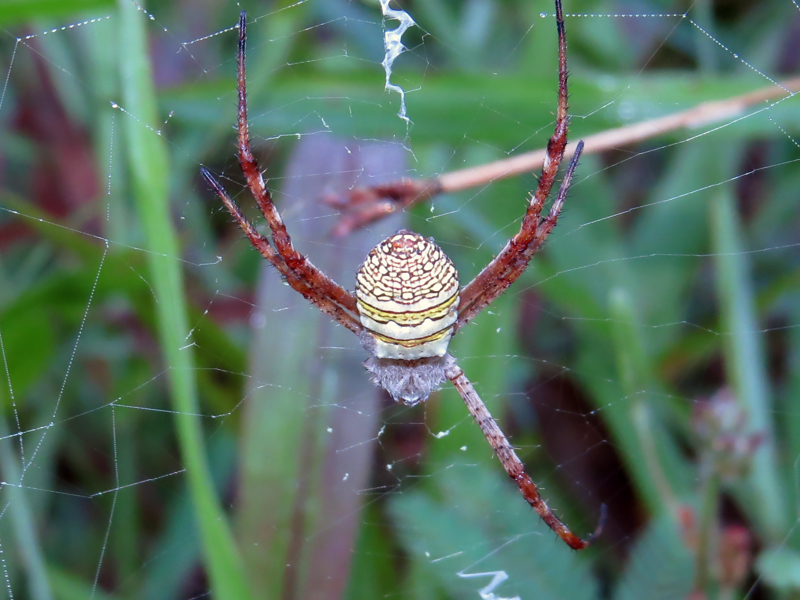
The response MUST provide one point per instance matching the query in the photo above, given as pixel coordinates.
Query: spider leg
(547, 224)
(311, 293)
(511, 462)
(295, 261)
(507, 266)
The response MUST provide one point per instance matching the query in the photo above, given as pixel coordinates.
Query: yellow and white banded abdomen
(407, 292)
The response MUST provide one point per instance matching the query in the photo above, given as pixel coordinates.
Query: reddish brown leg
(511, 462)
(507, 266)
(512, 261)
(283, 243)
(312, 294)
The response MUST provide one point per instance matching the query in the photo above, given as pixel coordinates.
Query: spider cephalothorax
(408, 303)
(407, 295)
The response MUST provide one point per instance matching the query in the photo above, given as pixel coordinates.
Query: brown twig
(367, 204)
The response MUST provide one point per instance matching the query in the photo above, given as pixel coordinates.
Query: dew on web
(646, 360)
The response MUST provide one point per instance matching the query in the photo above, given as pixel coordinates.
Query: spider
(408, 303)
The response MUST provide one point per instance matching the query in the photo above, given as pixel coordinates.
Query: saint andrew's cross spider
(408, 302)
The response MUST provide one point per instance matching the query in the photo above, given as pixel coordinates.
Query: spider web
(647, 360)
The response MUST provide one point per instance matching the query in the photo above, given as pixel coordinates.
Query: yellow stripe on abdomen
(407, 291)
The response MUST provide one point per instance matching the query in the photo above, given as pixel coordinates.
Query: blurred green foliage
(173, 428)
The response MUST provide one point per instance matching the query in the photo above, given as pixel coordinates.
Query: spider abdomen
(407, 294)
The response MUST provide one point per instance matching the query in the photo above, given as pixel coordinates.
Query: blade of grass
(635, 375)
(20, 515)
(149, 169)
(301, 411)
(374, 572)
(280, 436)
(18, 11)
(791, 427)
(763, 495)
(438, 120)
(344, 462)
(69, 586)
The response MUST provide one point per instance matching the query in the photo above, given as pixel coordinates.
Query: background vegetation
(191, 428)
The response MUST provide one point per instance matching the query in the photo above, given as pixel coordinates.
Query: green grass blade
(301, 410)
(22, 522)
(744, 360)
(791, 399)
(279, 423)
(69, 586)
(18, 11)
(149, 170)
(643, 439)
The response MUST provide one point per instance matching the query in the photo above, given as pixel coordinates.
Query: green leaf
(660, 566)
(780, 568)
(479, 524)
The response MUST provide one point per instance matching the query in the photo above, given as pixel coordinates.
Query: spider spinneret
(407, 295)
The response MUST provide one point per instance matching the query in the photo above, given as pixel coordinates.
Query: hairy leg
(510, 461)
